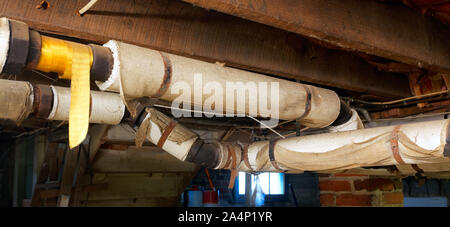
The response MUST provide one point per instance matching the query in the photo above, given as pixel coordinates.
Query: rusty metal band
(166, 134)
(227, 164)
(417, 168)
(34, 51)
(233, 166)
(43, 101)
(245, 157)
(167, 76)
(394, 145)
(272, 155)
(19, 43)
(102, 63)
(307, 106)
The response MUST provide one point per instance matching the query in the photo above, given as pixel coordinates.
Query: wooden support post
(69, 168)
(44, 174)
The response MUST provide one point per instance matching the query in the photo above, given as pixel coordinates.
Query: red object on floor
(210, 198)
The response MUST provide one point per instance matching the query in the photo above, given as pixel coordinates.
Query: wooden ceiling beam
(388, 30)
(180, 28)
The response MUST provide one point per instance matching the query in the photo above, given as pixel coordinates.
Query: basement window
(271, 183)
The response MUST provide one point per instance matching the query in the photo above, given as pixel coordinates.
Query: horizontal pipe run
(20, 99)
(141, 72)
(137, 72)
(417, 143)
(21, 48)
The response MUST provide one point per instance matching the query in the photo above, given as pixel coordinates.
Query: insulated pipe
(74, 61)
(16, 100)
(20, 99)
(21, 47)
(418, 143)
(137, 72)
(141, 72)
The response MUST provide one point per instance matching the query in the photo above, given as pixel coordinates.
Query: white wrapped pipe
(418, 143)
(155, 127)
(16, 100)
(141, 72)
(106, 108)
(4, 41)
(352, 124)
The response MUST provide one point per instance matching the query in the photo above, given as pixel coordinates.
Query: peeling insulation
(418, 143)
(177, 141)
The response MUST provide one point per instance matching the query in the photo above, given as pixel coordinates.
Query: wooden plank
(180, 28)
(143, 160)
(44, 172)
(387, 30)
(69, 170)
(131, 186)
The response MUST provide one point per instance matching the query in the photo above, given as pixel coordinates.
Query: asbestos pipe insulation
(137, 72)
(417, 143)
(141, 72)
(20, 99)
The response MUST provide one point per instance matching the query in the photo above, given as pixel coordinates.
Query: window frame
(268, 198)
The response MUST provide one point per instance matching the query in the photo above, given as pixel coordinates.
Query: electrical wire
(202, 112)
(417, 97)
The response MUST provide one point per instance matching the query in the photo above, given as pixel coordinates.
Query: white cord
(87, 7)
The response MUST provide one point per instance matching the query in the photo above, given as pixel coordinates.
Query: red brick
(335, 186)
(353, 200)
(327, 200)
(374, 184)
(393, 198)
(324, 175)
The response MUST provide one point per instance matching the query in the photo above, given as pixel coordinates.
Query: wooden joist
(180, 28)
(387, 30)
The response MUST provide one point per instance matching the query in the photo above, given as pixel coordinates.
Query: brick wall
(359, 190)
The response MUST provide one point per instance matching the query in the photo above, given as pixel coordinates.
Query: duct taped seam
(140, 72)
(4, 41)
(417, 143)
(16, 100)
(106, 108)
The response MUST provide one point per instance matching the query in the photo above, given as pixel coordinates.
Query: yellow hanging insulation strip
(71, 61)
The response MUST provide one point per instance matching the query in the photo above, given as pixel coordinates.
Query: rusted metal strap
(167, 76)
(307, 110)
(307, 104)
(272, 155)
(394, 145)
(166, 134)
(227, 164)
(43, 101)
(245, 157)
(233, 167)
(417, 168)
